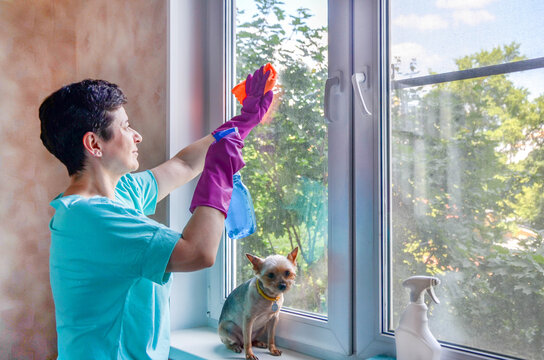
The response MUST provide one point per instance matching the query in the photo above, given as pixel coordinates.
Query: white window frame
(356, 325)
(372, 261)
(306, 333)
(369, 50)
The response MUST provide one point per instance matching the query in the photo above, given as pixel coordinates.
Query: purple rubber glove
(255, 104)
(223, 159)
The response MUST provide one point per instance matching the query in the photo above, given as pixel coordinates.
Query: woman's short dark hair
(72, 111)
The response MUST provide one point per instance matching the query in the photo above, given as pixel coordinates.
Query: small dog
(254, 306)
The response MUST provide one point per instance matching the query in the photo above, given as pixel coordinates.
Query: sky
(317, 7)
(437, 32)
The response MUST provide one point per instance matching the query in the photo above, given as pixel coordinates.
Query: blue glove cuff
(221, 134)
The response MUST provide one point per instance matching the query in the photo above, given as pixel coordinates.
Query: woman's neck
(92, 182)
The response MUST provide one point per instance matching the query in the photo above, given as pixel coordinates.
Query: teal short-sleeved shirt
(107, 272)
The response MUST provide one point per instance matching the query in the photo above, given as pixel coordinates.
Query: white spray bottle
(413, 338)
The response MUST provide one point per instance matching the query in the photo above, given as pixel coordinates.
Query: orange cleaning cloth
(240, 90)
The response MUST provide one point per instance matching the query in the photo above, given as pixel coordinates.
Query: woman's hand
(256, 83)
(255, 104)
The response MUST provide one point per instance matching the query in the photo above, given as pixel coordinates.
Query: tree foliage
(467, 181)
(286, 156)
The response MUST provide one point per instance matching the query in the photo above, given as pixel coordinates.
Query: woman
(110, 264)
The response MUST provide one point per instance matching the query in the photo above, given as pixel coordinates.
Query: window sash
(300, 331)
(384, 88)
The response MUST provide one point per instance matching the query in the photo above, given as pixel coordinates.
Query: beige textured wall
(45, 44)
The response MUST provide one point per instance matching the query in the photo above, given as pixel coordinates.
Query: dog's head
(276, 272)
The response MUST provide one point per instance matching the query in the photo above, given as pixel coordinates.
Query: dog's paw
(251, 356)
(260, 344)
(236, 348)
(274, 351)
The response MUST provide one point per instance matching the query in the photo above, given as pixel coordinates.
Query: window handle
(335, 80)
(360, 82)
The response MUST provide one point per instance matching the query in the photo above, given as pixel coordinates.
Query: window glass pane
(286, 156)
(432, 35)
(467, 178)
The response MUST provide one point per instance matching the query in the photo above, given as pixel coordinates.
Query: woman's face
(120, 153)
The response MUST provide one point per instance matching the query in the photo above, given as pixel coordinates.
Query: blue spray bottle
(240, 221)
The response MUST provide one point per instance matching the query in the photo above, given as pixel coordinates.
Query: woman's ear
(91, 144)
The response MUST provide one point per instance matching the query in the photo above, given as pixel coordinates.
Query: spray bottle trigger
(431, 293)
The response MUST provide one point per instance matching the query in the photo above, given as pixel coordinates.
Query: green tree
(286, 156)
(463, 196)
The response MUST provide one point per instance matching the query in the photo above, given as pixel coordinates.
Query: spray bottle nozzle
(419, 284)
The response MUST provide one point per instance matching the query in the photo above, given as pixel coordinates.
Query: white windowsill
(204, 343)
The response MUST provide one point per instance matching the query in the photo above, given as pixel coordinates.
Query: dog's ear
(292, 256)
(256, 261)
